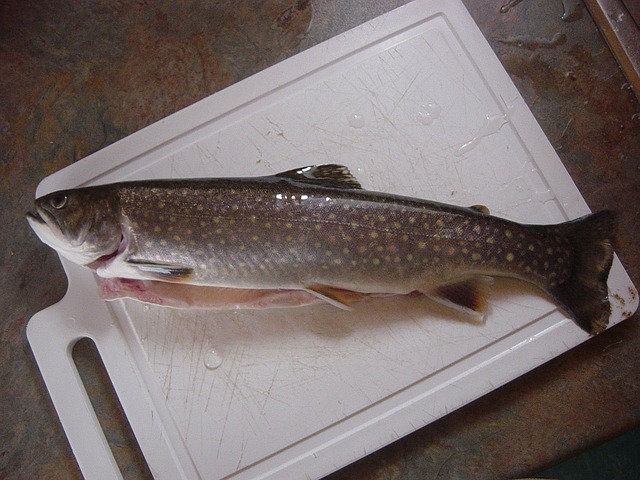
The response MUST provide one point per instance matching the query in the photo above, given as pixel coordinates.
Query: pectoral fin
(338, 297)
(469, 295)
(162, 271)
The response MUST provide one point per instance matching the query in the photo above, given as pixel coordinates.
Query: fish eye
(59, 201)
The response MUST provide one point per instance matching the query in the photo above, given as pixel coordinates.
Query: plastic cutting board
(414, 103)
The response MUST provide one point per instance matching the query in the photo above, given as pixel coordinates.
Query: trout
(314, 231)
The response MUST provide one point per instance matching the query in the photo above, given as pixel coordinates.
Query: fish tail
(584, 295)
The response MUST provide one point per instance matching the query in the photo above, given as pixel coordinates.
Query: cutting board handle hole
(107, 407)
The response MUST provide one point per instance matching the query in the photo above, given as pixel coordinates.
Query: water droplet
(70, 322)
(355, 120)
(145, 308)
(428, 113)
(212, 360)
(492, 125)
(571, 10)
(509, 5)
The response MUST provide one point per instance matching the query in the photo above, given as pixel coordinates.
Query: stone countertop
(77, 77)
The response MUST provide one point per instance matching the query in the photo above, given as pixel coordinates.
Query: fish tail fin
(584, 294)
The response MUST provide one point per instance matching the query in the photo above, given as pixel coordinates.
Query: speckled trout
(316, 232)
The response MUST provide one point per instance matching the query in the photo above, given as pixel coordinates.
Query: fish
(315, 230)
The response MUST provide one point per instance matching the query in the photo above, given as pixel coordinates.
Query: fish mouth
(34, 217)
(40, 220)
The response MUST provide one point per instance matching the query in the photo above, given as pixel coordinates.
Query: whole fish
(314, 229)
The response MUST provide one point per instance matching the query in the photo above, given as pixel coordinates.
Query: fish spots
(477, 229)
(508, 233)
(509, 256)
(157, 229)
(376, 261)
(476, 256)
(373, 234)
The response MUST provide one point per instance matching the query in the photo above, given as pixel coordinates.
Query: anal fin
(469, 295)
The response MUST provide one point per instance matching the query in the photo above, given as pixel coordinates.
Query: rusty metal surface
(74, 79)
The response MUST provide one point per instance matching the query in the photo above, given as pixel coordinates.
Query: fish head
(83, 225)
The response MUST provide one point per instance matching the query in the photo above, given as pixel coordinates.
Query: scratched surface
(74, 82)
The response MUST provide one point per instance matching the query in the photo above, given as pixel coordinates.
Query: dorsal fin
(328, 175)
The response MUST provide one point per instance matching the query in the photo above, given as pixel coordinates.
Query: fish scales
(250, 235)
(314, 229)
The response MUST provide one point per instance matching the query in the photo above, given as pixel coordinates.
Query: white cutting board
(415, 103)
